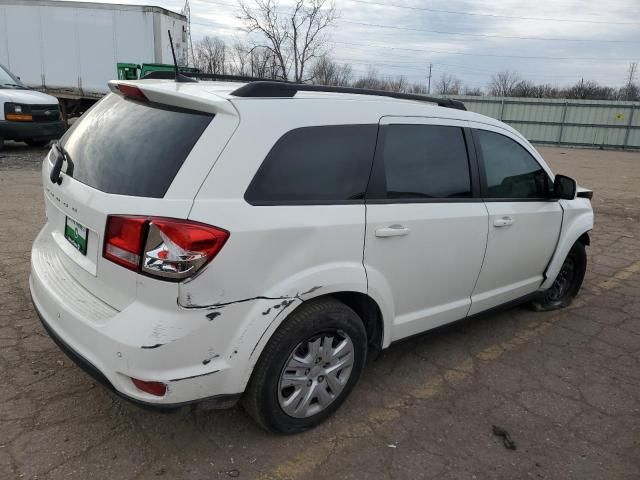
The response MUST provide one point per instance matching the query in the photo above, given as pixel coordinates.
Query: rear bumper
(213, 402)
(31, 130)
(116, 346)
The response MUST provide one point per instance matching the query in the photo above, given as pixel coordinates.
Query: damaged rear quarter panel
(274, 253)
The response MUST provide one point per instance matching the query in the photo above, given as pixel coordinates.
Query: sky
(546, 41)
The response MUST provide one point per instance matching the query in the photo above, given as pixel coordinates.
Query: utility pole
(631, 90)
(186, 11)
(429, 82)
(633, 67)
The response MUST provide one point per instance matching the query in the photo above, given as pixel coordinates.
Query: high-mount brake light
(165, 248)
(131, 91)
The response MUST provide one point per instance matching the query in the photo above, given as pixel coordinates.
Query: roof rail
(284, 89)
(260, 87)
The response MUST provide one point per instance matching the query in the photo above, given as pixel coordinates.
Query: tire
(37, 143)
(567, 283)
(306, 331)
(1, 143)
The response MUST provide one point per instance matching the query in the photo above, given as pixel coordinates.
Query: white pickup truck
(27, 115)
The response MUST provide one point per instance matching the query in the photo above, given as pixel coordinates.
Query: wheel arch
(576, 225)
(365, 307)
(585, 239)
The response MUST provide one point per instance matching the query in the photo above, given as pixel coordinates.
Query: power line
(414, 61)
(480, 35)
(414, 66)
(489, 35)
(513, 17)
(483, 54)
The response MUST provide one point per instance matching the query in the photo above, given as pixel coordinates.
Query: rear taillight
(161, 247)
(123, 240)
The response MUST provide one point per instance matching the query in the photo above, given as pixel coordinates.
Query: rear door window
(424, 162)
(126, 147)
(326, 164)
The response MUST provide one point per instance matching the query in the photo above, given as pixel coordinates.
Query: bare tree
(587, 90)
(295, 38)
(448, 85)
(210, 55)
(545, 91)
(327, 72)
(524, 88)
(473, 91)
(397, 84)
(239, 55)
(418, 88)
(502, 83)
(631, 90)
(371, 79)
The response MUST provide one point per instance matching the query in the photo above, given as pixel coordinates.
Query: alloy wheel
(315, 374)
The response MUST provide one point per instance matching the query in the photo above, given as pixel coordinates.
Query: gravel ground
(565, 385)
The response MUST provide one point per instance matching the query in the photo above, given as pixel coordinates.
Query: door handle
(503, 222)
(392, 231)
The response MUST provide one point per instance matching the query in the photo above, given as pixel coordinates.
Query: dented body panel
(577, 219)
(203, 336)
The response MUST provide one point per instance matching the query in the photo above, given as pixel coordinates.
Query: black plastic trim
(10, 130)
(474, 169)
(587, 194)
(272, 89)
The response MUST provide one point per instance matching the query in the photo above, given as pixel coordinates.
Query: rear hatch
(123, 157)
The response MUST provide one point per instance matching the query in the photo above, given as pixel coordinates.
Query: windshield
(8, 79)
(131, 148)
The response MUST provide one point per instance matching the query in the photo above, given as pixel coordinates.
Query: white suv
(216, 241)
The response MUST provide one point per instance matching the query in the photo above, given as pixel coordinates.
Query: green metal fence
(587, 123)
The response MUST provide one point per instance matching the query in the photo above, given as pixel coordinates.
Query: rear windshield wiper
(62, 156)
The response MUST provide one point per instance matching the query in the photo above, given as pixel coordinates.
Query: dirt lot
(566, 385)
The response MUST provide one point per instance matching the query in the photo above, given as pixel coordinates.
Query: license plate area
(77, 234)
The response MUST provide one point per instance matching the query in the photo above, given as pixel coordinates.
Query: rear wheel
(567, 283)
(308, 368)
(36, 143)
(1, 143)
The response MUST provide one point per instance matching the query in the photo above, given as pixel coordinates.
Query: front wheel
(567, 283)
(308, 367)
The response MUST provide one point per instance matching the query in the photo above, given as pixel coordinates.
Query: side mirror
(564, 188)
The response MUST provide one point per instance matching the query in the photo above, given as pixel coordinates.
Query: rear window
(130, 148)
(328, 164)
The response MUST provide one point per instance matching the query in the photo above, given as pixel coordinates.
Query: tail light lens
(161, 247)
(123, 240)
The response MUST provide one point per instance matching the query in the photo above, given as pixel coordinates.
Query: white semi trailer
(71, 49)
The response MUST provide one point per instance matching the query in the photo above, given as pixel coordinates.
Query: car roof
(214, 91)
